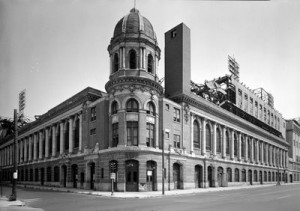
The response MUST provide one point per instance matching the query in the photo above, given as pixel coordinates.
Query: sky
(54, 48)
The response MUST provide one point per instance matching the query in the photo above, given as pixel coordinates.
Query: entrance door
(92, 175)
(74, 175)
(176, 175)
(210, 176)
(250, 176)
(42, 176)
(132, 179)
(198, 176)
(151, 175)
(64, 171)
(220, 175)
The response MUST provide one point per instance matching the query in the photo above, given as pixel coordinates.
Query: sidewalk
(6, 205)
(152, 194)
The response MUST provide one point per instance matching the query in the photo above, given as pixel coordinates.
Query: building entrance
(132, 179)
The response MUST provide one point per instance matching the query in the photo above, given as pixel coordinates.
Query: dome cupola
(134, 24)
(133, 49)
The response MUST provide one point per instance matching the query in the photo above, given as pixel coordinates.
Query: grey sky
(55, 48)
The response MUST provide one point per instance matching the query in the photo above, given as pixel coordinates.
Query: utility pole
(13, 196)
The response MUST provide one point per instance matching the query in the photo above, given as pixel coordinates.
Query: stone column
(257, 151)
(267, 154)
(40, 145)
(232, 145)
(214, 139)
(246, 148)
(71, 139)
(53, 140)
(120, 58)
(30, 148)
(25, 149)
(62, 137)
(192, 132)
(46, 143)
(262, 161)
(124, 53)
(239, 140)
(80, 131)
(203, 147)
(34, 146)
(223, 142)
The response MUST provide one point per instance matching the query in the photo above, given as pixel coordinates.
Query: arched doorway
(64, 175)
(151, 176)
(291, 178)
(198, 176)
(220, 176)
(250, 176)
(260, 177)
(177, 176)
(210, 176)
(92, 175)
(74, 175)
(132, 175)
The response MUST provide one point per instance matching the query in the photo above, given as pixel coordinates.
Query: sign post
(112, 177)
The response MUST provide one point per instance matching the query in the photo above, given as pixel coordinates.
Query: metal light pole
(163, 163)
(13, 196)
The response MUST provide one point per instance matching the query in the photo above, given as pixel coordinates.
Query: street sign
(113, 176)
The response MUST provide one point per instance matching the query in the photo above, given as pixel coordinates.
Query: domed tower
(133, 87)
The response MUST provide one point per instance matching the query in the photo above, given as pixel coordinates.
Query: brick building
(293, 138)
(211, 136)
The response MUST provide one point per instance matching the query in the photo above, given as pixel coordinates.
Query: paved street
(285, 197)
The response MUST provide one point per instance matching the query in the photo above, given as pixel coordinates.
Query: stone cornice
(230, 117)
(133, 83)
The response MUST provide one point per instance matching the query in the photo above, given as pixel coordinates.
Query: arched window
(132, 59)
(196, 135)
(237, 175)
(229, 175)
(243, 175)
(235, 145)
(208, 137)
(151, 108)
(227, 143)
(116, 63)
(114, 107)
(132, 106)
(150, 63)
(218, 135)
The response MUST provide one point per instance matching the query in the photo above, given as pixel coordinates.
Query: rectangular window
(176, 141)
(176, 117)
(93, 113)
(167, 135)
(150, 135)
(115, 134)
(173, 33)
(93, 131)
(132, 133)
